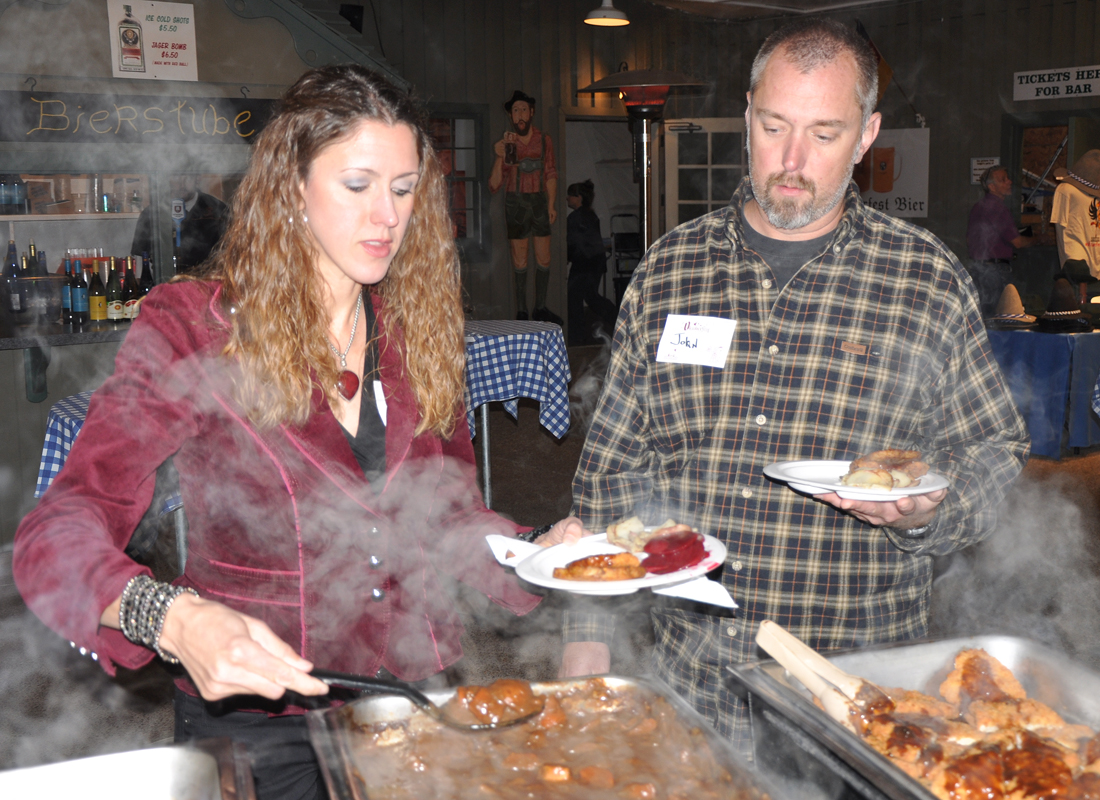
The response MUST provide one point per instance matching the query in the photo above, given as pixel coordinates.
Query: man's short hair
(813, 43)
(987, 176)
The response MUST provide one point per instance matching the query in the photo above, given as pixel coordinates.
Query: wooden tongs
(846, 698)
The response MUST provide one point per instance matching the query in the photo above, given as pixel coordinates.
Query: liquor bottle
(33, 255)
(28, 297)
(131, 52)
(147, 282)
(67, 295)
(97, 298)
(11, 280)
(79, 294)
(40, 268)
(114, 293)
(131, 295)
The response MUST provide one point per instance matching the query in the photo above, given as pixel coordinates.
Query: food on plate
(673, 551)
(986, 740)
(502, 701)
(886, 470)
(592, 740)
(605, 567)
(631, 534)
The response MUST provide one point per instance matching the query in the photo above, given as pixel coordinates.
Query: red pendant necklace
(348, 382)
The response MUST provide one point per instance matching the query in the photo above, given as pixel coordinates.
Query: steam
(585, 392)
(1035, 577)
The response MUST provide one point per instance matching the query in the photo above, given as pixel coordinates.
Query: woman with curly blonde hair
(308, 383)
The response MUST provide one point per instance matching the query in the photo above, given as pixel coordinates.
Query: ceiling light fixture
(606, 16)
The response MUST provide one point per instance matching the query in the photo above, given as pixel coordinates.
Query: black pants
(584, 287)
(283, 762)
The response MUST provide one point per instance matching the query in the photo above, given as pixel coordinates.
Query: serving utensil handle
(836, 705)
(848, 684)
(369, 685)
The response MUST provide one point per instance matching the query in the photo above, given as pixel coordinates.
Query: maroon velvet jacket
(283, 524)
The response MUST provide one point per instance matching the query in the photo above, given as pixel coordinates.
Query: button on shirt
(874, 343)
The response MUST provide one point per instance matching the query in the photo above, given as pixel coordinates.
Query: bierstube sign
(72, 118)
(1054, 84)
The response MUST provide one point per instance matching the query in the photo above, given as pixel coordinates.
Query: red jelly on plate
(673, 552)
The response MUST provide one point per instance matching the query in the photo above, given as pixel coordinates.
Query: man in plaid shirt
(852, 331)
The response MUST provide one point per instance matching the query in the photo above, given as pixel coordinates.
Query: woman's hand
(227, 653)
(569, 530)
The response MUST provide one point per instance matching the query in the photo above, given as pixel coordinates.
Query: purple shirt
(991, 229)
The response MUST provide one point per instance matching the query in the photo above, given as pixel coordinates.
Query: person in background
(200, 230)
(525, 166)
(840, 330)
(1076, 217)
(309, 383)
(991, 237)
(588, 262)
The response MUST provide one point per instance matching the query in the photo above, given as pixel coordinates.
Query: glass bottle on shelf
(114, 293)
(67, 295)
(32, 254)
(147, 281)
(80, 294)
(11, 280)
(131, 295)
(97, 298)
(131, 55)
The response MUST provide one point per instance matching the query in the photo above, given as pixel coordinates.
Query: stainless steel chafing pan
(211, 769)
(351, 762)
(786, 724)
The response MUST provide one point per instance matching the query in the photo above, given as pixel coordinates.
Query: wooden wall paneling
(1083, 42)
(1060, 35)
(391, 33)
(551, 68)
(490, 285)
(575, 72)
(451, 57)
(437, 36)
(414, 45)
(474, 40)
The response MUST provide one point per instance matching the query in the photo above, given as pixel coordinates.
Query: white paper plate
(822, 477)
(538, 568)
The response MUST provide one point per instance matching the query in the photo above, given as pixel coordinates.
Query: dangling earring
(305, 218)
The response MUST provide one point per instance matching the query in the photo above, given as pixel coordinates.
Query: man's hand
(552, 213)
(227, 653)
(904, 514)
(498, 148)
(581, 659)
(569, 531)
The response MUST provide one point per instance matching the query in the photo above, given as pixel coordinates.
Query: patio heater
(643, 92)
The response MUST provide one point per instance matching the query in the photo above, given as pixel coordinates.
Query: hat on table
(1010, 312)
(1085, 174)
(1063, 314)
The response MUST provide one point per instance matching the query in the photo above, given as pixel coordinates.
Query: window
(459, 137)
(704, 163)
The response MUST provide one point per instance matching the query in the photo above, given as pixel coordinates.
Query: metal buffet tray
(786, 724)
(209, 769)
(333, 733)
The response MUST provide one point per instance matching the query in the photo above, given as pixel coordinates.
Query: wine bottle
(11, 280)
(97, 298)
(147, 281)
(67, 295)
(32, 252)
(114, 293)
(130, 293)
(79, 294)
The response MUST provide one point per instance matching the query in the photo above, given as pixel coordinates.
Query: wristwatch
(531, 535)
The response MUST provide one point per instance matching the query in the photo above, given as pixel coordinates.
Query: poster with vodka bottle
(155, 41)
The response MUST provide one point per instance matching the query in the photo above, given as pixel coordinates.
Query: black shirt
(785, 258)
(369, 443)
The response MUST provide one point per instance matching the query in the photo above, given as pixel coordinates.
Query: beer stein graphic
(883, 175)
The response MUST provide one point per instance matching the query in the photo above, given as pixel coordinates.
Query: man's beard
(522, 126)
(789, 214)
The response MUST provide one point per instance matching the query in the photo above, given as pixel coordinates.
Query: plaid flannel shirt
(876, 343)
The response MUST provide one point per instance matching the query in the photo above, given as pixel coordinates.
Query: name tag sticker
(696, 340)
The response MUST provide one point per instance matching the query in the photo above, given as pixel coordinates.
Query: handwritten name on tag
(696, 340)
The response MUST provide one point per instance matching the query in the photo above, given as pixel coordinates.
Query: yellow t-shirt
(1077, 216)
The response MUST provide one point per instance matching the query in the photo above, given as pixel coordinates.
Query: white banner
(155, 41)
(893, 175)
(1054, 84)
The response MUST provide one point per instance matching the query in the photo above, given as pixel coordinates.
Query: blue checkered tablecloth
(64, 423)
(506, 360)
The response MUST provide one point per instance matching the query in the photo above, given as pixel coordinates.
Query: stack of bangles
(142, 608)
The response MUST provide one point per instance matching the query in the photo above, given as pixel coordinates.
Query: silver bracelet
(142, 608)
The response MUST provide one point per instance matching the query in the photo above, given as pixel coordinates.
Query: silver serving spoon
(365, 684)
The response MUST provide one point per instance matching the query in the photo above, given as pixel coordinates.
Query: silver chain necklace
(348, 383)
